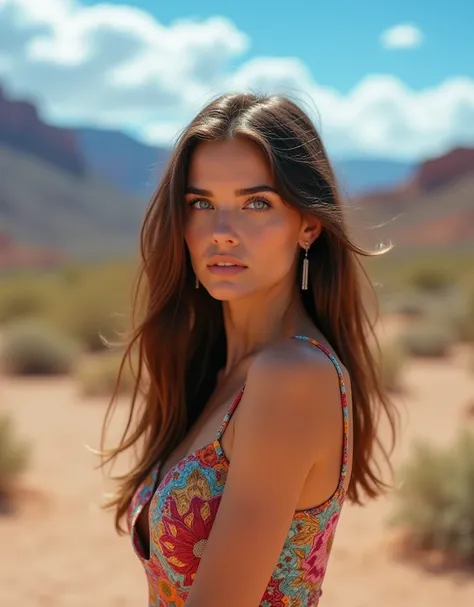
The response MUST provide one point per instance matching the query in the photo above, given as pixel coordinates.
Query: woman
(261, 395)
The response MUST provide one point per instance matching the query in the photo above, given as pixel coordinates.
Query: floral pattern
(183, 508)
(182, 539)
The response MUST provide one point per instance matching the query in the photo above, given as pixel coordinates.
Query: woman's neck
(252, 325)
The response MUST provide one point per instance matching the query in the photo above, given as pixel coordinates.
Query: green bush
(98, 375)
(93, 312)
(14, 455)
(428, 338)
(90, 325)
(431, 278)
(466, 320)
(429, 271)
(31, 347)
(83, 302)
(23, 300)
(435, 499)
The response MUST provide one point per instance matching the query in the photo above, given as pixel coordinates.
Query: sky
(379, 79)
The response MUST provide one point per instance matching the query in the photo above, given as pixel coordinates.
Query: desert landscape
(59, 549)
(71, 203)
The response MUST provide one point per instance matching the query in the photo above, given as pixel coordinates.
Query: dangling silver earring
(304, 279)
(197, 282)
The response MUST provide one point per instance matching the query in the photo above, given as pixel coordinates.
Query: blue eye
(263, 204)
(193, 204)
(259, 204)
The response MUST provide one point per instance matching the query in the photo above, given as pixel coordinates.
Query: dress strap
(345, 407)
(228, 415)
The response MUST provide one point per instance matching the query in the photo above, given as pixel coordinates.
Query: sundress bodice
(182, 509)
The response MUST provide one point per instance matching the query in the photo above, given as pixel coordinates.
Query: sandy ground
(61, 550)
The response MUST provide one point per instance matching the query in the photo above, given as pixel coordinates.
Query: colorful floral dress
(183, 508)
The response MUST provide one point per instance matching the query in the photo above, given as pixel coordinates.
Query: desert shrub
(422, 271)
(70, 275)
(83, 301)
(14, 455)
(97, 376)
(431, 278)
(23, 299)
(452, 308)
(92, 326)
(466, 319)
(391, 360)
(94, 311)
(435, 498)
(32, 347)
(88, 317)
(411, 304)
(428, 338)
(20, 304)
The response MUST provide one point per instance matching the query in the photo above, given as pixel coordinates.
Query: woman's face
(236, 216)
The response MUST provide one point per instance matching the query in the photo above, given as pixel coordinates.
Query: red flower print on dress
(208, 456)
(183, 538)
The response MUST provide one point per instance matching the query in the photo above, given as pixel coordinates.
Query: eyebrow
(241, 192)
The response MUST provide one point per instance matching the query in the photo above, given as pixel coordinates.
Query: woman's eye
(202, 204)
(259, 204)
(256, 204)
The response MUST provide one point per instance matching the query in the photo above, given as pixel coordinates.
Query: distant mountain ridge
(134, 167)
(52, 199)
(137, 167)
(438, 172)
(434, 208)
(22, 129)
(84, 191)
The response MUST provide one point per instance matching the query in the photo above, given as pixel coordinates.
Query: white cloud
(116, 66)
(110, 64)
(402, 36)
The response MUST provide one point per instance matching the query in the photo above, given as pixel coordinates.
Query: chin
(227, 291)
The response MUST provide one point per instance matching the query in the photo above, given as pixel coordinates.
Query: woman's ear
(310, 230)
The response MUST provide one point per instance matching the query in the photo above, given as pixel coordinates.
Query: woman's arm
(288, 415)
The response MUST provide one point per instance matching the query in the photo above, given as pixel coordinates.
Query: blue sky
(339, 39)
(392, 80)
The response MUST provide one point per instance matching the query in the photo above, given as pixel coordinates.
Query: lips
(225, 265)
(226, 261)
(226, 270)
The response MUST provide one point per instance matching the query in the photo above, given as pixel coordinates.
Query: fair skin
(289, 420)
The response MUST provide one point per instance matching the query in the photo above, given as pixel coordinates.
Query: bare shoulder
(293, 387)
(295, 357)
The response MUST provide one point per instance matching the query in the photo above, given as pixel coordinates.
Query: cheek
(276, 237)
(195, 235)
(276, 248)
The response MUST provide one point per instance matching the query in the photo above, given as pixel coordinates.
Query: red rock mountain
(53, 204)
(23, 130)
(64, 190)
(441, 171)
(435, 208)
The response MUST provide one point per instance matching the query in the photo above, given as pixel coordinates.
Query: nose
(222, 232)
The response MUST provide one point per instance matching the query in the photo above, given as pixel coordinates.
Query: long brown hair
(178, 359)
